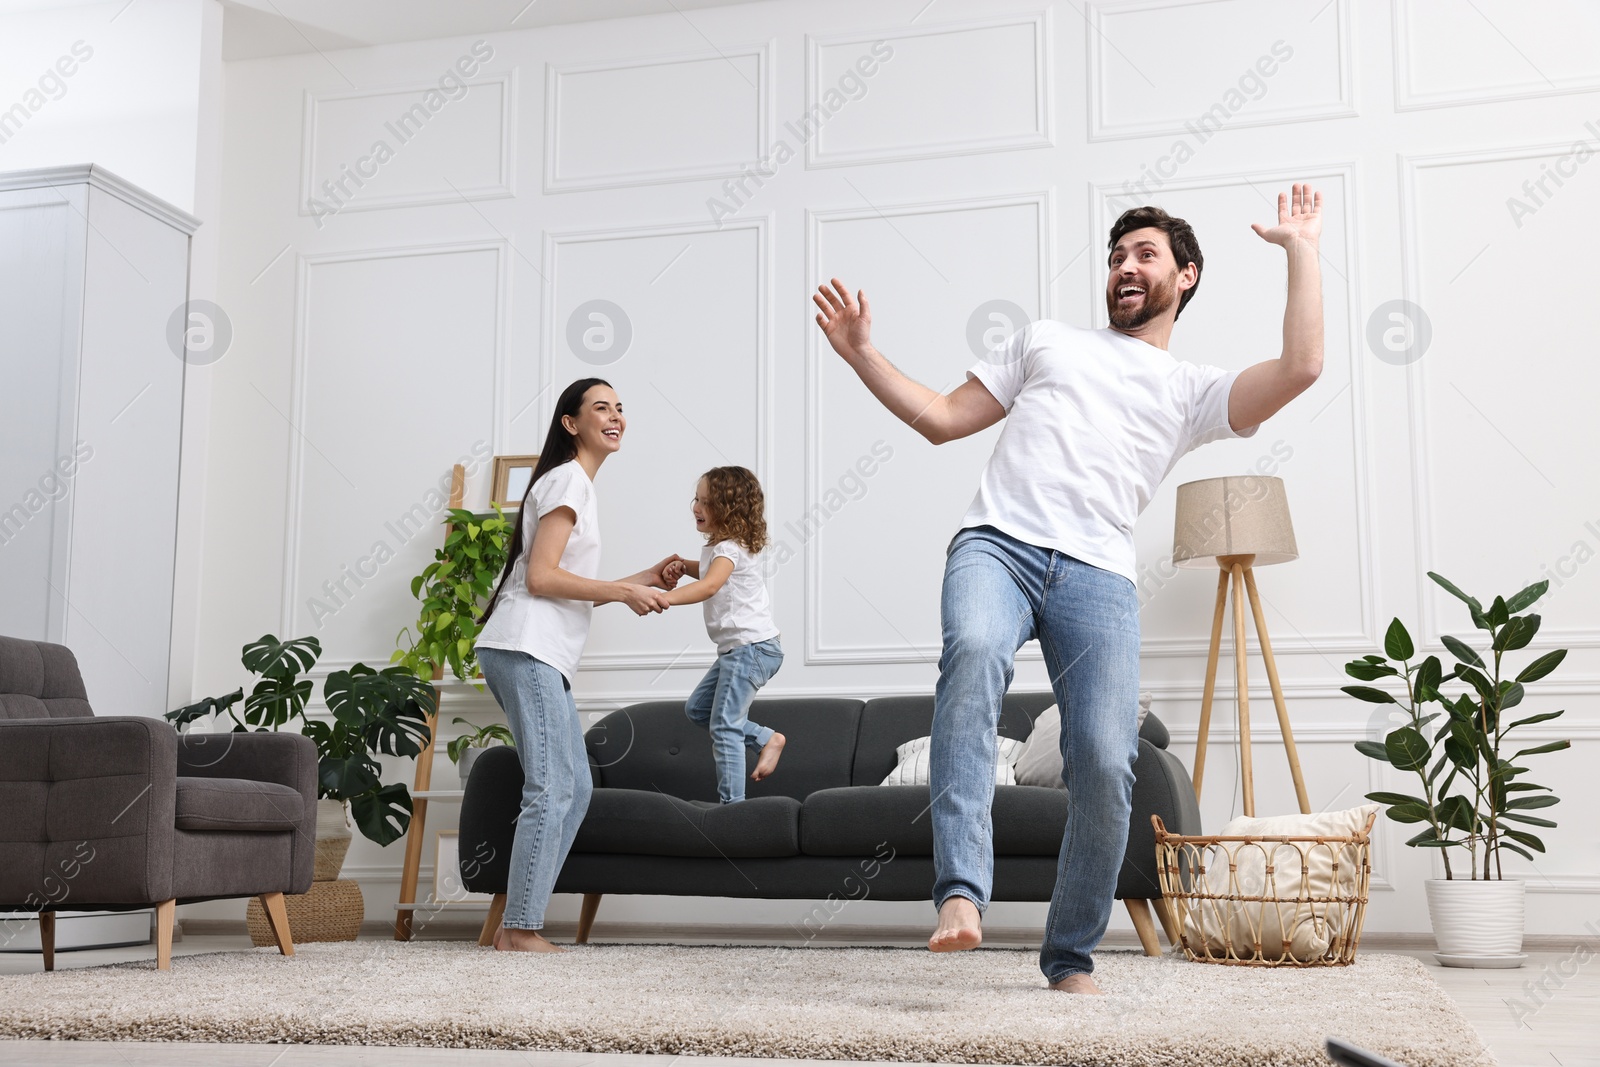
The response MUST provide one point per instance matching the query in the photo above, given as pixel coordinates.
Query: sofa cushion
(889, 722)
(40, 681)
(1028, 821)
(237, 804)
(653, 746)
(646, 822)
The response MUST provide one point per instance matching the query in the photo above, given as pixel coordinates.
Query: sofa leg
(497, 911)
(166, 913)
(47, 938)
(1139, 911)
(1169, 921)
(278, 919)
(591, 904)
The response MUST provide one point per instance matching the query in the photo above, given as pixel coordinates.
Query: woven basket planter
(332, 911)
(1267, 901)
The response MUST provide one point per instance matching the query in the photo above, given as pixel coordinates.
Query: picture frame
(511, 477)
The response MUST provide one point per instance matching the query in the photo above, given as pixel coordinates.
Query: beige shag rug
(989, 1006)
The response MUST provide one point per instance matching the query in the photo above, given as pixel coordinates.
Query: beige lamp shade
(1246, 514)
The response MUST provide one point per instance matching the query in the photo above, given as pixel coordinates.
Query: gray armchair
(118, 814)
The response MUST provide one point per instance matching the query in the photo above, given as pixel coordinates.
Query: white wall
(982, 161)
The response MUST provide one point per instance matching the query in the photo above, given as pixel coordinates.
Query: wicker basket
(331, 911)
(1260, 912)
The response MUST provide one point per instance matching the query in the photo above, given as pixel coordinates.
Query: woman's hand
(672, 573)
(641, 598)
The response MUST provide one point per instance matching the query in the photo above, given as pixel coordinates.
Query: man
(1097, 419)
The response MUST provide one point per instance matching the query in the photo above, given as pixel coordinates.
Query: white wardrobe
(94, 281)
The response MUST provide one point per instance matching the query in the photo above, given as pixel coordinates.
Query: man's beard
(1156, 301)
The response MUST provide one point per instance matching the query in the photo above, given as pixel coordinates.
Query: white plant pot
(1477, 922)
(333, 839)
(468, 758)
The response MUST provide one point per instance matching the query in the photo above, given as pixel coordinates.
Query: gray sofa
(821, 828)
(121, 813)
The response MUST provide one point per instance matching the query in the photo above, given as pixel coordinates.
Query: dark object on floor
(1347, 1055)
(121, 813)
(821, 828)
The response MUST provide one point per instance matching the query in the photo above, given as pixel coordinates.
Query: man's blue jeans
(555, 776)
(999, 593)
(721, 703)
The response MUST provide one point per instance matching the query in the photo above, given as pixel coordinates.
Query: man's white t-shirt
(739, 613)
(552, 629)
(1095, 420)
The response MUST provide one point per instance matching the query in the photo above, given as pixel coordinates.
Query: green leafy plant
(1473, 797)
(370, 713)
(479, 738)
(454, 590)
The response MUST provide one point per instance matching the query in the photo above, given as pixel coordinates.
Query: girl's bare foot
(1078, 983)
(959, 926)
(769, 757)
(510, 940)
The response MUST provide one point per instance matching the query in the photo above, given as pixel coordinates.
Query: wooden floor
(1524, 1025)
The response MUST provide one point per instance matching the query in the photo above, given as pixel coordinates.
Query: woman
(533, 634)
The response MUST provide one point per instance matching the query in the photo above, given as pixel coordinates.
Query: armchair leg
(1169, 921)
(497, 911)
(166, 913)
(278, 919)
(591, 904)
(1139, 912)
(47, 938)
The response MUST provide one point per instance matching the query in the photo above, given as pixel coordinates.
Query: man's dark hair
(1185, 248)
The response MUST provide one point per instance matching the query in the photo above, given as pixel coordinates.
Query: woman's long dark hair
(559, 447)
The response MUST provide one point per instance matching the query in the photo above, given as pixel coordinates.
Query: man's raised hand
(1299, 217)
(845, 320)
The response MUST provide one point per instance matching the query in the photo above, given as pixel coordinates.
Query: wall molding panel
(502, 185)
(1336, 21)
(1039, 133)
(759, 120)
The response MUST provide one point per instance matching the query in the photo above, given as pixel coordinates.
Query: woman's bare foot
(960, 926)
(1078, 983)
(509, 940)
(769, 757)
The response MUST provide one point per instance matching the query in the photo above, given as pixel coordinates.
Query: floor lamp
(1238, 521)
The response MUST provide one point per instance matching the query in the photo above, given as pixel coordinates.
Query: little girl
(729, 510)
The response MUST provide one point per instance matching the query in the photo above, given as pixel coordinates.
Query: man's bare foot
(769, 757)
(1078, 983)
(509, 940)
(960, 926)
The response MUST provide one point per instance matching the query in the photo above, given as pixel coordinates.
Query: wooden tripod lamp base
(1239, 521)
(1243, 577)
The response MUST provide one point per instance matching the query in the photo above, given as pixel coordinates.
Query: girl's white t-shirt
(739, 613)
(552, 629)
(1095, 420)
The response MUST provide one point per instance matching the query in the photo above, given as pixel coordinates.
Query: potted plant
(1474, 796)
(454, 589)
(370, 713)
(465, 750)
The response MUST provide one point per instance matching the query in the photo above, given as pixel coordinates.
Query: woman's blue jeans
(555, 776)
(998, 593)
(721, 703)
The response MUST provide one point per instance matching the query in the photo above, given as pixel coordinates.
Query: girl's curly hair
(737, 506)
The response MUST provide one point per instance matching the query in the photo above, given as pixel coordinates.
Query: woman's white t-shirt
(739, 613)
(552, 629)
(1095, 420)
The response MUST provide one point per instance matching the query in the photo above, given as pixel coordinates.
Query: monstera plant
(371, 713)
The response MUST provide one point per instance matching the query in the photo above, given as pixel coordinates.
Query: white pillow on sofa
(1301, 871)
(911, 762)
(1040, 762)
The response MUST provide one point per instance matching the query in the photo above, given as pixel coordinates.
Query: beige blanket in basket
(1299, 876)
